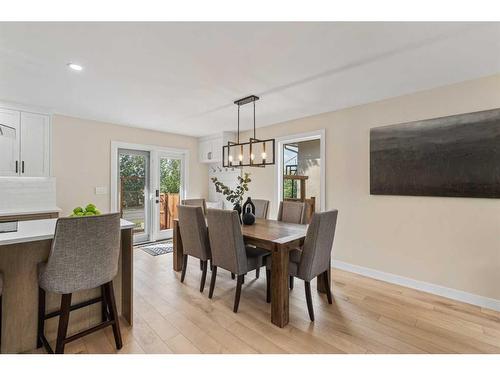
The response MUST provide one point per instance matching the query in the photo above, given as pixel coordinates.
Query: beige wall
(81, 159)
(453, 242)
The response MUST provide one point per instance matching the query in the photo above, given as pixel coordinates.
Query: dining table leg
(178, 249)
(279, 286)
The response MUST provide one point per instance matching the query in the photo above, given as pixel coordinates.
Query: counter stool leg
(41, 317)
(104, 305)
(110, 297)
(63, 323)
(0, 323)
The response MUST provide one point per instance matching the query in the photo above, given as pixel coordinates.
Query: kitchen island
(20, 253)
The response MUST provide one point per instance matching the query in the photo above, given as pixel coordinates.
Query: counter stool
(84, 255)
(1, 290)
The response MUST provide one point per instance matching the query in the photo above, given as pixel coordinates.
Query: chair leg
(110, 298)
(268, 286)
(203, 275)
(211, 265)
(291, 282)
(257, 273)
(239, 283)
(184, 266)
(232, 276)
(104, 305)
(63, 323)
(41, 317)
(307, 285)
(328, 288)
(0, 323)
(201, 265)
(212, 282)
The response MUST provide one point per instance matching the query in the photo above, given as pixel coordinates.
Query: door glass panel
(302, 173)
(170, 189)
(133, 185)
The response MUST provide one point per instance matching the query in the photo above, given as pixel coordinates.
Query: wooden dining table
(277, 237)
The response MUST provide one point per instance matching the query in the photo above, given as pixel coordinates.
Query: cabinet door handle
(17, 166)
(209, 155)
(22, 166)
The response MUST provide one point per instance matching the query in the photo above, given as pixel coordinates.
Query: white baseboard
(439, 290)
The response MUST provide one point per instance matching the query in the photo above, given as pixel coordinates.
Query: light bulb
(230, 158)
(263, 155)
(252, 156)
(240, 156)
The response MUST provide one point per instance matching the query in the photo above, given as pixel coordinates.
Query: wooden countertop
(38, 230)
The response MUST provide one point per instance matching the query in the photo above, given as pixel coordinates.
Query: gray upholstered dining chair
(314, 258)
(197, 202)
(1, 293)
(194, 236)
(229, 251)
(84, 255)
(292, 212)
(261, 208)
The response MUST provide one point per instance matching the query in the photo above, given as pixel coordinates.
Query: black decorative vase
(237, 208)
(248, 203)
(248, 216)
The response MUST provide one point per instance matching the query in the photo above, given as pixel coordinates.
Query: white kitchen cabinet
(210, 148)
(9, 142)
(35, 145)
(24, 143)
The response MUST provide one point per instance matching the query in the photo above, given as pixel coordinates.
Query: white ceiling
(184, 77)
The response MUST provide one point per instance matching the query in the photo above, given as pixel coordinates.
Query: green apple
(90, 207)
(78, 209)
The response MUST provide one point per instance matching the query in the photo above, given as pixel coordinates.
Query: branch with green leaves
(236, 195)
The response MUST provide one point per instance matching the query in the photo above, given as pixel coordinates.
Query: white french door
(169, 191)
(147, 184)
(134, 191)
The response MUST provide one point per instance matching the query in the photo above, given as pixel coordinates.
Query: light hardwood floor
(367, 316)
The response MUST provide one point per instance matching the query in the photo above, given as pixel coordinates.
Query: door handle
(157, 193)
(17, 166)
(22, 166)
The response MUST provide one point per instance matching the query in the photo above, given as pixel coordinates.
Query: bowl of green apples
(89, 210)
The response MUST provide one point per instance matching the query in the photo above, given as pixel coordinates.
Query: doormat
(158, 248)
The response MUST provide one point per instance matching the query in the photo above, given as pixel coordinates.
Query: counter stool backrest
(84, 253)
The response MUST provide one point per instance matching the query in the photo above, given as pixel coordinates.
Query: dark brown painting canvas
(454, 156)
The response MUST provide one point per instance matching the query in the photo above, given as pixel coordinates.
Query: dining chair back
(291, 212)
(197, 202)
(229, 251)
(194, 232)
(316, 252)
(226, 241)
(261, 208)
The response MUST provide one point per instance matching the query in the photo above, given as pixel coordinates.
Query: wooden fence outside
(168, 210)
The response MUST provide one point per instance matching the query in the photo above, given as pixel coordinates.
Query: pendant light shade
(255, 152)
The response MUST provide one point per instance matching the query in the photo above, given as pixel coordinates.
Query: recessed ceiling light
(76, 67)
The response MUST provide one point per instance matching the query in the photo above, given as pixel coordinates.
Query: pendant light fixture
(255, 152)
